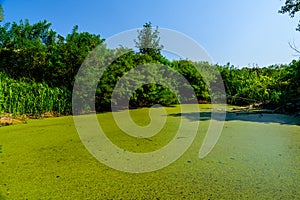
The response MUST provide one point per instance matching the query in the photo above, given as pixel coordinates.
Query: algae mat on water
(256, 157)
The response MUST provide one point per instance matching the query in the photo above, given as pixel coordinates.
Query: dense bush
(39, 53)
(272, 86)
(152, 92)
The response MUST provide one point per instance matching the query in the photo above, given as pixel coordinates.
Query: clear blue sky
(243, 32)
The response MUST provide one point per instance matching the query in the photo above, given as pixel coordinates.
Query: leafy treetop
(291, 7)
(148, 41)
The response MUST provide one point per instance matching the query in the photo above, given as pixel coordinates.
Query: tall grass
(30, 98)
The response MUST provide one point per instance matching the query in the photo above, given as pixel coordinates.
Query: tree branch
(294, 47)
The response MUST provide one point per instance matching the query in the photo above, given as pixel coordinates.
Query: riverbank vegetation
(38, 68)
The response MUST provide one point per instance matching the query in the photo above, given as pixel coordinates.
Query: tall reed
(19, 97)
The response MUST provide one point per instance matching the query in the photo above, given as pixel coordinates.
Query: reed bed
(20, 97)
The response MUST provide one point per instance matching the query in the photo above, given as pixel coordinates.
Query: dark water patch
(235, 116)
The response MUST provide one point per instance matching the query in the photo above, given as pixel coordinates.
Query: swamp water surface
(257, 157)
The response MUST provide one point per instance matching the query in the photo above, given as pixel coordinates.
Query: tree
(22, 49)
(291, 7)
(72, 51)
(148, 41)
(1, 13)
(38, 53)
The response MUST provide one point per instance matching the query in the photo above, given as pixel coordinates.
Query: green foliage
(39, 53)
(148, 41)
(1, 13)
(272, 86)
(290, 80)
(38, 69)
(146, 95)
(152, 92)
(291, 7)
(251, 85)
(189, 70)
(23, 98)
(72, 53)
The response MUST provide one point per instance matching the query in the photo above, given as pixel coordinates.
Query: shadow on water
(239, 116)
